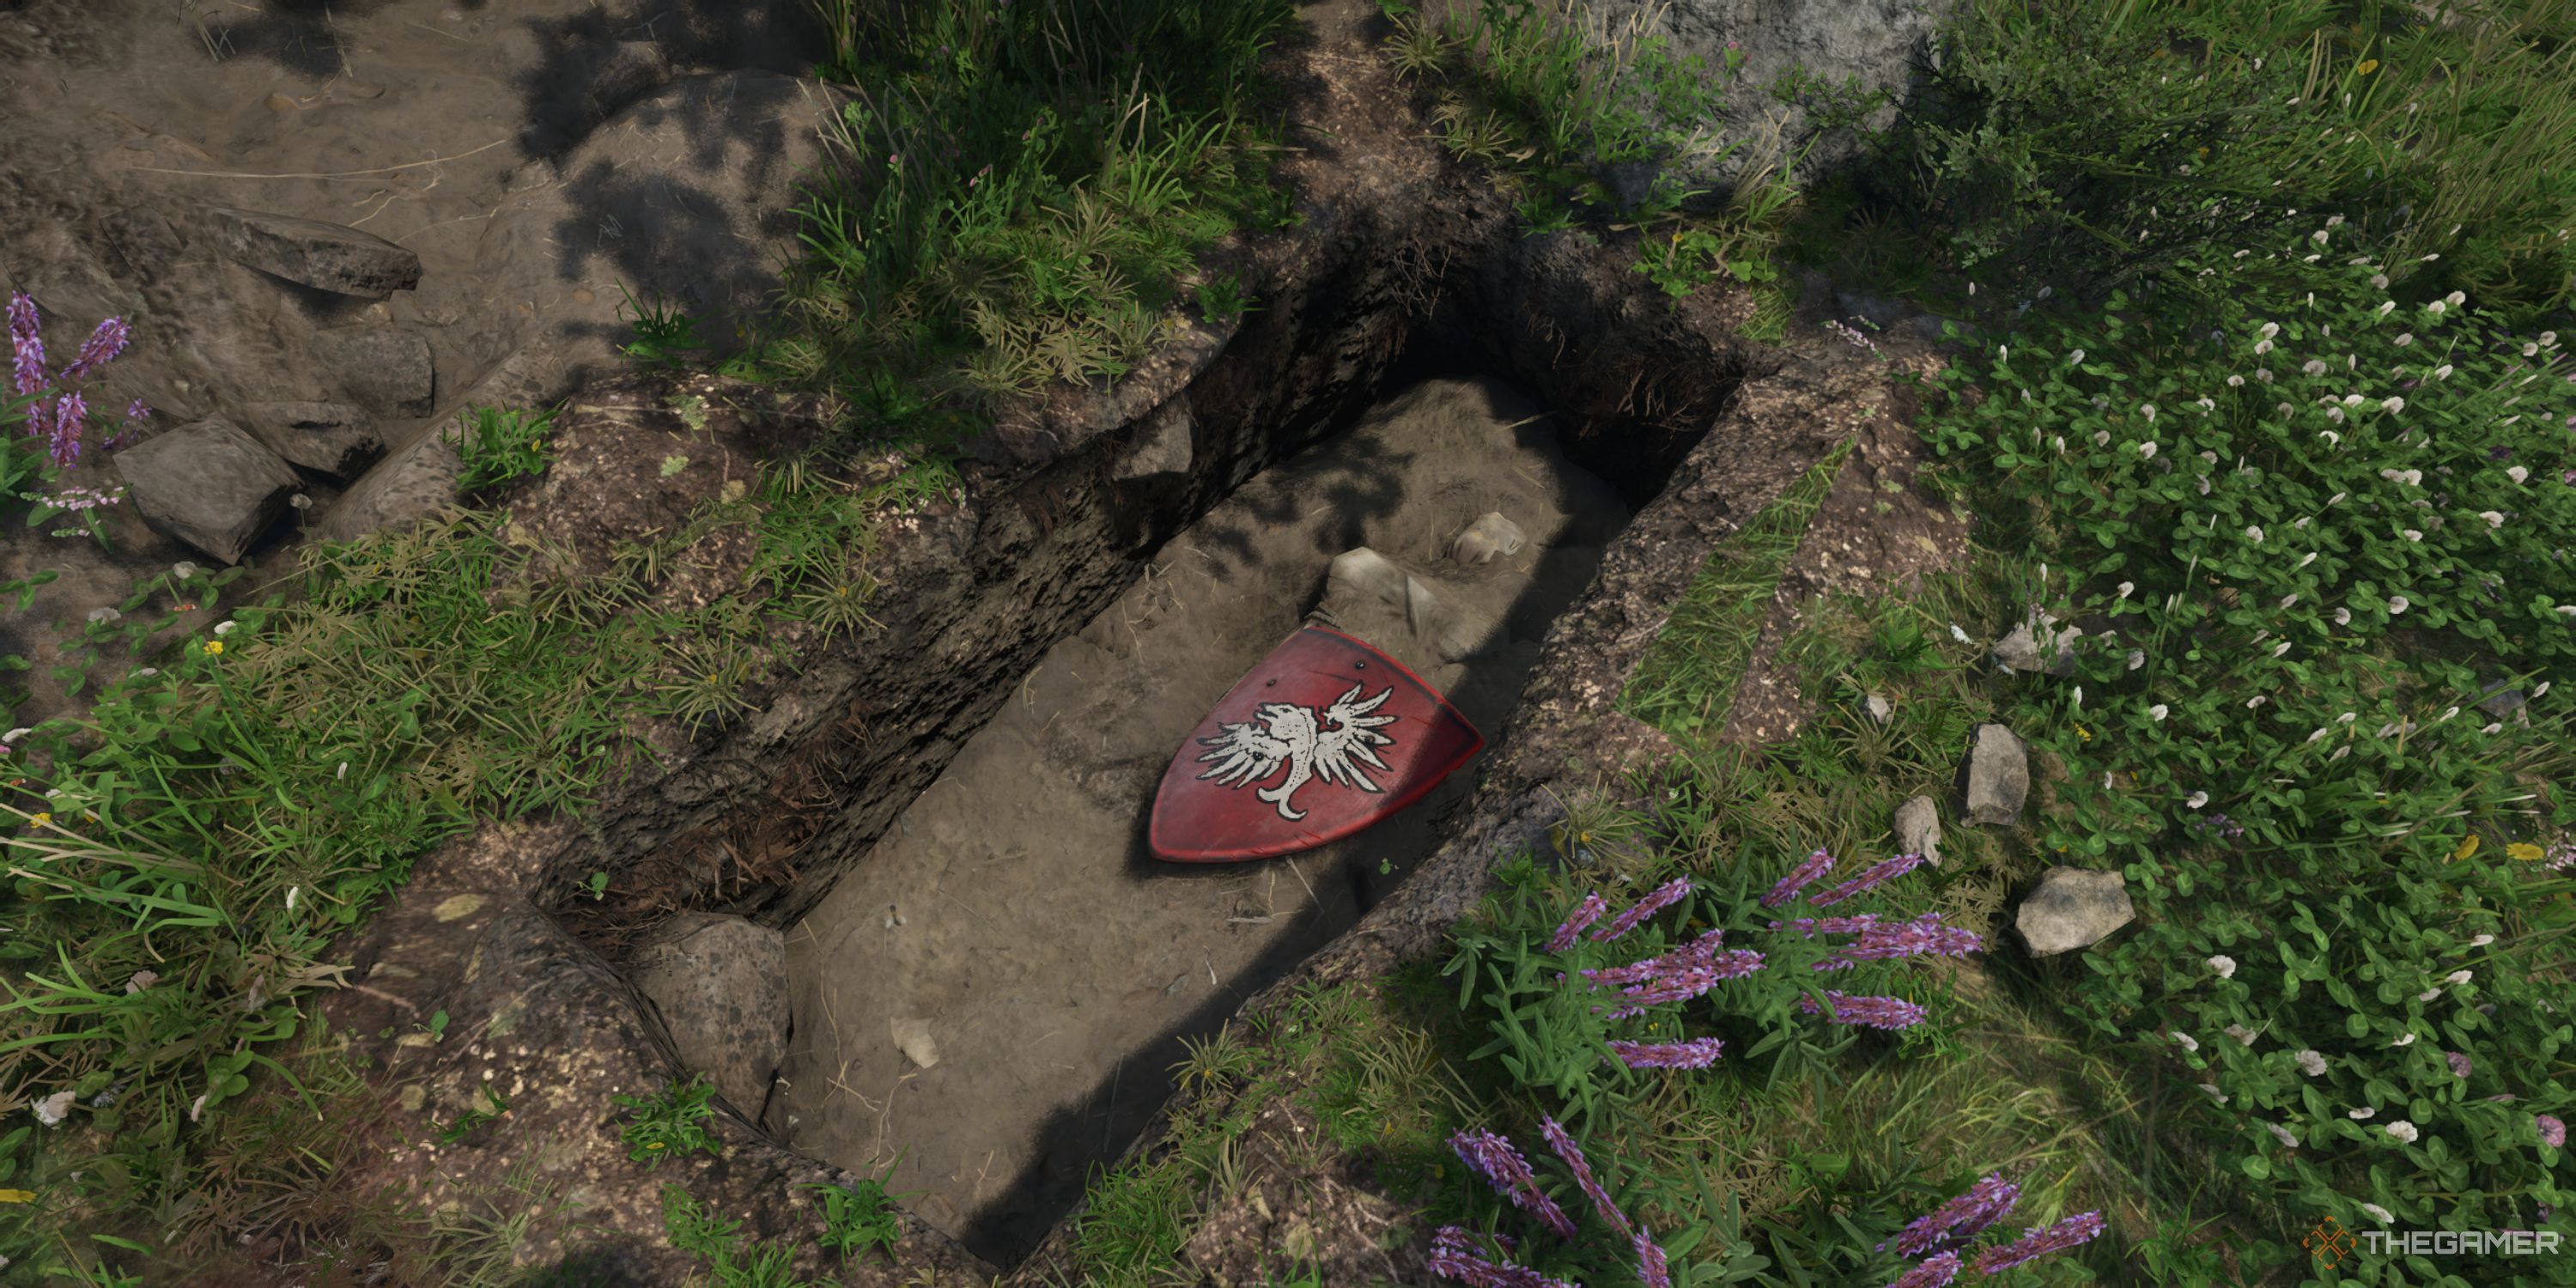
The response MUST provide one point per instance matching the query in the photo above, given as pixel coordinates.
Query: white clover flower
(2101, 438)
(2280, 648)
(2147, 450)
(2206, 405)
(224, 628)
(2543, 690)
(2293, 596)
(2320, 735)
(2212, 1089)
(2343, 617)
(2254, 534)
(2304, 560)
(2392, 405)
(2137, 658)
(2235, 382)
(183, 570)
(2481, 941)
(2435, 308)
(2149, 410)
(16, 734)
(54, 1108)
(2075, 357)
(198, 1108)
(2314, 367)
(2268, 330)
(2282, 1133)
(2457, 977)
(103, 615)
(2387, 307)
(2311, 1062)
(2405, 338)
(2196, 800)
(2363, 1114)
(2335, 414)
(2378, 1213)
(2402, 1130)
(2337, 498)
(2126, 588)
(2347, 717)
(2353, 400)
(1957, 634)
(2263, 374)
(2410, 534)
(2060, 441)
(2442, 372)
(2397, 604)
(2407, 1039)
(2340, 753)
(2447, 713)
(2455, 299)
(2188, 1043)
(2243, 1035)
(2495, 519)
(2257, 700)
(2157, 712)
(2516, 473)
(2079, 697)
(2225, 968)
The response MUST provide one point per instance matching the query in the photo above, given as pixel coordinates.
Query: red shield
(1325, 737)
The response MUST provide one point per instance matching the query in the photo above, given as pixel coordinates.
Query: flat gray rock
(1998, 776)
(1918, 829)
(328, 438)
(2073, 908)
(418, 481)
(315, 253)
(210, 485)
(386, 370)
(720, 983)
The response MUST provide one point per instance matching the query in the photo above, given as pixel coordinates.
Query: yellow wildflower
(17, 1196)
(214, 647)
(2467, 847)
(2368, 65)
(39, 820)
(2523, 850)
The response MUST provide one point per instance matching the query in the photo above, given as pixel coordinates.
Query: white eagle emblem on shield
(1285, 733)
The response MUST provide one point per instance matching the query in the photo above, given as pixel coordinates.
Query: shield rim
(1392, 805)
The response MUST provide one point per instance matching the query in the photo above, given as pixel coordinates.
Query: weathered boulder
(328, 438)
(720, 984)
(1918, 829)
(387, 370)
(418, 481)
(2073, 908)
(210, 485)
(1998, 776)
(315, 253)
(1880, 43)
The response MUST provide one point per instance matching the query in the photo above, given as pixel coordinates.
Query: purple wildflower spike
(1810, 927)
(1584, 914)
(1698, 1053)
(1924, 934)
(1958, 1220)
(1651, 1270)
(1453, 1257)
(1660, 898)
(135, 414)
(1698, 953)
(1680, 986)
(1934, 1272)
(1877, 874)
(26, 346)
(2075, 1230)
(1869, 1009)
(101, 348)
(69, 411)
(1812, 867)
(1575, 1162)
(1509, 1174)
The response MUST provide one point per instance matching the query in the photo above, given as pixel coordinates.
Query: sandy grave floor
(997, 990)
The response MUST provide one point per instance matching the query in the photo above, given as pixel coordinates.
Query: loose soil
(997, 992)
